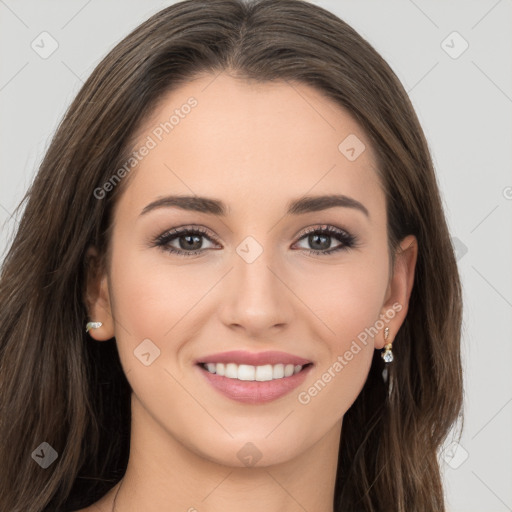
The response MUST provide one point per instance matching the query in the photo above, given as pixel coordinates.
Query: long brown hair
(59, 387)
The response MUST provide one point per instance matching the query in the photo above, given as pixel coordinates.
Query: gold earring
(92, 325)
(387, 355)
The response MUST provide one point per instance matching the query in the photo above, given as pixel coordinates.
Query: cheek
(161, 302)
(347, 300)
(150, 299)
(150, 304)
(347, 351)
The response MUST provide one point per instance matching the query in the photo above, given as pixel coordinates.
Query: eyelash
(347, 240)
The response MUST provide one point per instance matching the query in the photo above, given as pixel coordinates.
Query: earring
(92, 325)
(387, 355)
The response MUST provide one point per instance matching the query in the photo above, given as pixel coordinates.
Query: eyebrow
(218, 208)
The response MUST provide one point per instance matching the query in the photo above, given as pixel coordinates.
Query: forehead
(248, 139)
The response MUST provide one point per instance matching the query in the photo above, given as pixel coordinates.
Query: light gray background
(464, 105)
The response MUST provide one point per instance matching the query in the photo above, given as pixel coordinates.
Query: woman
(233, 283)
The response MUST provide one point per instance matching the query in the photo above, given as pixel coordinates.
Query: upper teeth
(248, 372)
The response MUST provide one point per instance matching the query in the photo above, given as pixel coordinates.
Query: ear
(97, 296)
(399, 289)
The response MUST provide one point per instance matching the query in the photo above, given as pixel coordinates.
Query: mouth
(253, 377)
(251, 373)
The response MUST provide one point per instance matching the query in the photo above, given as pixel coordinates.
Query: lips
(254, 391)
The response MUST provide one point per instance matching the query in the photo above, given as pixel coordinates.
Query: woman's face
(253, 159)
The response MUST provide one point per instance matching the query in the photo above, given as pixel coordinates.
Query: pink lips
(254, 392)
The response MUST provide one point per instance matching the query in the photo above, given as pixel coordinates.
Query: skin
(255, 147)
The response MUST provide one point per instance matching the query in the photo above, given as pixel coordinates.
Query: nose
(256, 298)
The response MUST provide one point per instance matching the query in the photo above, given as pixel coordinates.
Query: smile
(248, 372)
(253, 377)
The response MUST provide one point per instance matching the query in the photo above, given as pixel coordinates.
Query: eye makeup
(193, 234)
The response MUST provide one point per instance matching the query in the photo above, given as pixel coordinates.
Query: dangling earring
(92, 325)
(387, 355)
